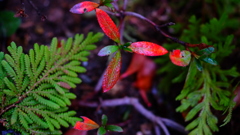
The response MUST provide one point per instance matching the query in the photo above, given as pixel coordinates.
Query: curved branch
(162, 122)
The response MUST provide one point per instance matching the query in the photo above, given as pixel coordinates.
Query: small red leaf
(147, 48)
(84, 7)
(112, 72)
(107, 25)
(180, 58)
(86, 124)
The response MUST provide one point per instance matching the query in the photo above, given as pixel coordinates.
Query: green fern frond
(9, 69)
(14, 116)
(36, 85)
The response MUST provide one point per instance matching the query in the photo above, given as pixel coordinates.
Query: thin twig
(158, 28)
(157, 130)
(121, 27)
(129, 13)
(43, 17)
(162, 122)
(125, 4)
(115, 5)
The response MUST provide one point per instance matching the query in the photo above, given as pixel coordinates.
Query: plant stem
(43, 17)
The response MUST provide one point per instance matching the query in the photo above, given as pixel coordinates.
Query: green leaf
(104, 119)
(90, 47)
(114, 128)
(208, 60)
(107, 50)
(212, 122)
(198, 64)
(9, 23)
(14, 116)
(193, 124)
(108, 3)
(194, 111)
(101, 131)
(206, 51)
(9, 92)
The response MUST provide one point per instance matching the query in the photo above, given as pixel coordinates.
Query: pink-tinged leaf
(112, 72)
(147, 48)
(145, 69)
(84, 7)
(86, 124)
(107, 50)
(107, 25)
(180, 58)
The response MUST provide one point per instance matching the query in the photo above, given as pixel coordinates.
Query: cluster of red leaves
(112, 72)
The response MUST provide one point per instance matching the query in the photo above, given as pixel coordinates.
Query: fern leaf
(68, 45)
(9, 92)
(47, 119)
(71, 73)
(59, 89)
(54, 123)
(90, 47)
(75, 80)
(78, 39)
(229, 116)
(47, 55)
(70, 95)
(45, 101)
(40, 67)
(32, 60)
(22, 120)
(9, 69)
(14, 116)
(25, 83)
(38, 77)
(72, 63)
(28, 67)
(66, 100)
(37, 120)
(10, 60)
(56, 100)
(62, 122)
(10, 85)
(53, 47)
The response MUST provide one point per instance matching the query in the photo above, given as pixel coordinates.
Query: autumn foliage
(112, 72)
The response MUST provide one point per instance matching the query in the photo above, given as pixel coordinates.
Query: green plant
(207, 86)
(8, 23)
(88, 124)
(34, 87)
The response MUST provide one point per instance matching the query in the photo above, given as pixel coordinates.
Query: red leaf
(86, 124)
(180, 58)
(112, 72)
(107, 25)
(145, 69)
(135, 65)
(84, 7)
(147, 48)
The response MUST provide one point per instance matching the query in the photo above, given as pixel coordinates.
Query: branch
(43, 17)
(162, 122)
